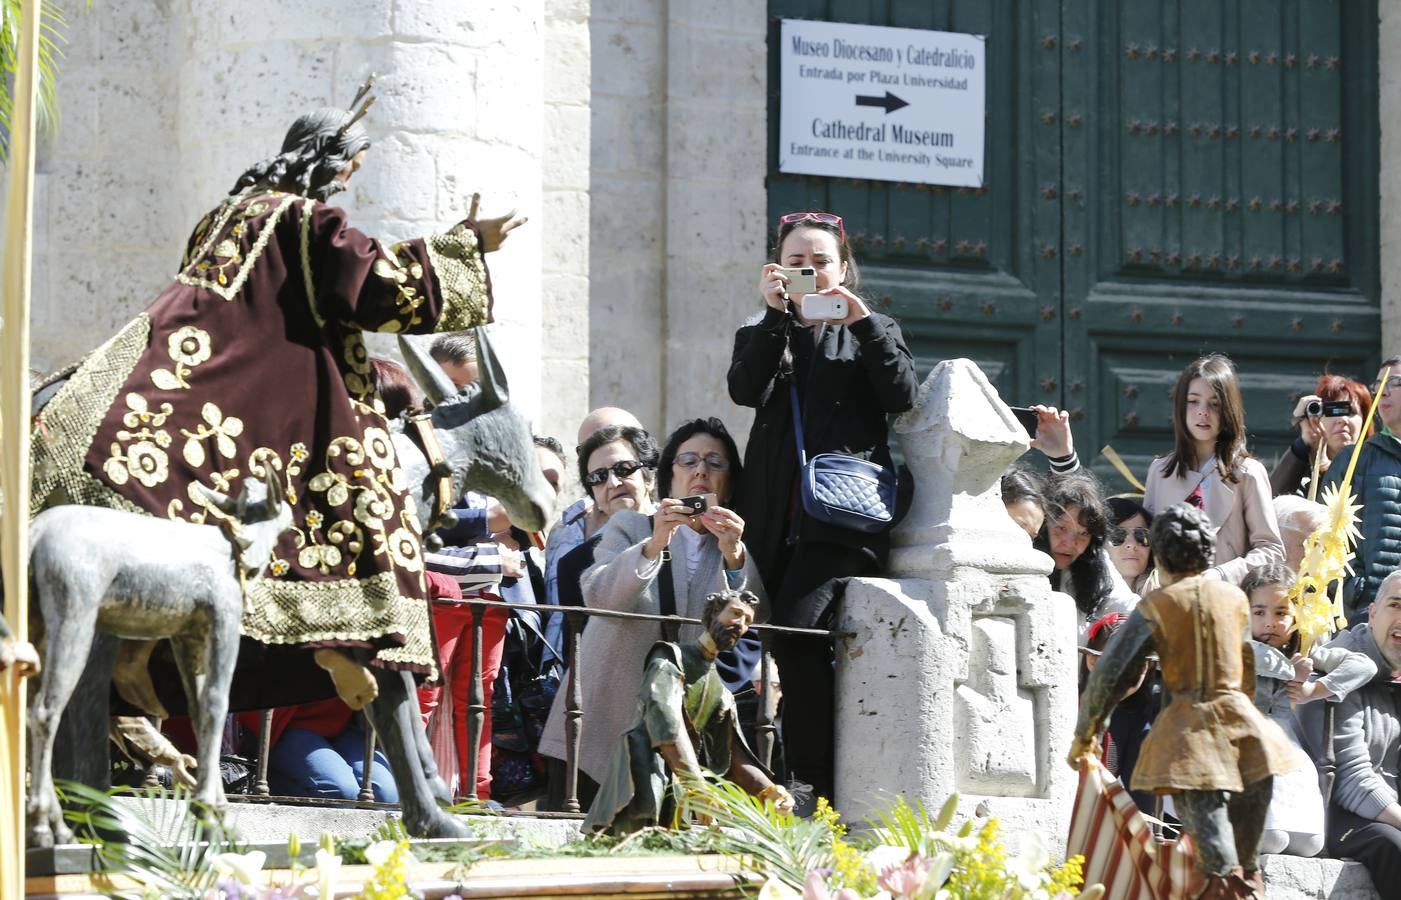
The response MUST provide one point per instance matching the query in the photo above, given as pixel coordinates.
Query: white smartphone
(800, 281)
(824, 306)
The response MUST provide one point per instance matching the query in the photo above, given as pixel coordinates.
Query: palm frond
(156, 837)
(51, 28)
(779, 844)
(903, 825)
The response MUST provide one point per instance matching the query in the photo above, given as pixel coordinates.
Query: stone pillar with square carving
(959, 675)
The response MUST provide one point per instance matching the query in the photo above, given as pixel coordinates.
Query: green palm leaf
(51, 24)
(154, 836)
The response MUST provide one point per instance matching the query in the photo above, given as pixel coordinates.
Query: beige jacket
(613, 651)
(1243, 513)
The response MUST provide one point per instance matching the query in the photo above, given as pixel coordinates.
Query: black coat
(858, 375)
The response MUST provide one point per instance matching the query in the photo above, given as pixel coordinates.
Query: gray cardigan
(1339, 670)
(613, 651)
(1366, 734)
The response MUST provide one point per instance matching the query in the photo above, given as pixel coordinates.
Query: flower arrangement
(904, 853)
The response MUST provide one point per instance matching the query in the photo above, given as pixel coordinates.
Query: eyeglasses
(623, 468)
(713, 461)
(1117, 536)
(825, 218)
(1392, 384)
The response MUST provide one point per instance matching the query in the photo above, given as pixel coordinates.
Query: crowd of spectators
(1342, 795)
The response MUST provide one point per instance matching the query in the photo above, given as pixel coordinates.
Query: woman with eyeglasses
(1323, 434)
(645, 557)
(1376, 485)
(851, 373)
(1128, 543)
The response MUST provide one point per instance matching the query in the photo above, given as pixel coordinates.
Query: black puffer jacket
(849, 380)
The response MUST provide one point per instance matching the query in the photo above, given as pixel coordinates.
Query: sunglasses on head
(825, 218)
(622, 468)
(1118, 535)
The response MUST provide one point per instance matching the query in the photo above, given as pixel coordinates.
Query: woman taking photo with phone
(850, 373)
(1209, 468)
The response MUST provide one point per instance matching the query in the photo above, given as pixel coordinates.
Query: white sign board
(892, 104)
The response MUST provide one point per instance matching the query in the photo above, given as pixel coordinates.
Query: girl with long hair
(1209, 468)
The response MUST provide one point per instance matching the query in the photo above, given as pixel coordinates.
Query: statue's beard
(726, 636)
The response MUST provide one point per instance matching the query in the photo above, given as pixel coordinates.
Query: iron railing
(574, 617)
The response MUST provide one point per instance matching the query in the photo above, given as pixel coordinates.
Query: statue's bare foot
(131, 676)
(142, 743)
(355, 684)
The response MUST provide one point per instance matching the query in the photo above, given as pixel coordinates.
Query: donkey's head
(486, 440)
(256, 518)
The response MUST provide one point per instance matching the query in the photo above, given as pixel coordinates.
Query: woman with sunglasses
(643, 557)
(1128, 543)
(851, 374)
(1326, 435)
(1376, 485)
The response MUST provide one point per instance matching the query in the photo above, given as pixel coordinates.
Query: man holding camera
(1376, 484)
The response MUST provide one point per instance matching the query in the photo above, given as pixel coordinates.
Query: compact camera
(824, 306)
(800, 281)
(1313, 407)
(697, 504)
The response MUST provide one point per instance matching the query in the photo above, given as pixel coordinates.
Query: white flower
(1029, 865)
(379, 851)
(403, 549)
(774, 889)
(379, 448)
(328, 869)
(245, 868)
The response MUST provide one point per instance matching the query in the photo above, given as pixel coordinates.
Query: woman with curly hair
(1074, 538)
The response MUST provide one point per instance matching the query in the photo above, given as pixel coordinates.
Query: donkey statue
(135, 576)
(487, 446)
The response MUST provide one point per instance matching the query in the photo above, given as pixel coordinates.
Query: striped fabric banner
(1121, 852)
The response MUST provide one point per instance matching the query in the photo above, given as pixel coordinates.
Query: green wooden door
(1163, 177)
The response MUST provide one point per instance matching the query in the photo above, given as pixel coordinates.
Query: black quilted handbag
(843, 490)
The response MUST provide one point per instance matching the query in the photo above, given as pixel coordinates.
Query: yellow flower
(279, 567)
(147, 463)
(189, 345)
(299, 452)
(313, 519)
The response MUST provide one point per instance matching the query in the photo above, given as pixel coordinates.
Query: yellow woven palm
(1326, 555)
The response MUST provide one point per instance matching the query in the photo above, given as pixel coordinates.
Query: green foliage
(51, 24)
(164, 846)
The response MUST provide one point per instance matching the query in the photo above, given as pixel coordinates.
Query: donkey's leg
(194, 659)
(396, 719)
(222, 659)
(71, 621)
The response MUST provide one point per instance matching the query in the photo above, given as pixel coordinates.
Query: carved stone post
(961, 674)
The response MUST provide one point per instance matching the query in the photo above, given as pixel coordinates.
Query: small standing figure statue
(686, 719)
(1210, 747)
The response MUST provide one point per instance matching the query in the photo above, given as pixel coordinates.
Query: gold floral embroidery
(188, 347)
(359, 377)
(222, 429)
(221, 250)
(145, 459)
(404, 274)
(462, 279)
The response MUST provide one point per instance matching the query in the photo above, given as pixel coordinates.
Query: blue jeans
(305, 764)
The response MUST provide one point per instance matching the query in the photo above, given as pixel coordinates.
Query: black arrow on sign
(890, 102)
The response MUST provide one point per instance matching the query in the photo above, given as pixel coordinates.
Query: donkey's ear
(490, 375)
(274, 487)
(222, 502)
(430, 376)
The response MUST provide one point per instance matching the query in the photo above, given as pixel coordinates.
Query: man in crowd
(1377, 486)
(456, 353)
(1365, 821)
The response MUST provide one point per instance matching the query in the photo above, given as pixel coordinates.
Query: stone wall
(164, 104)
(678, 215)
